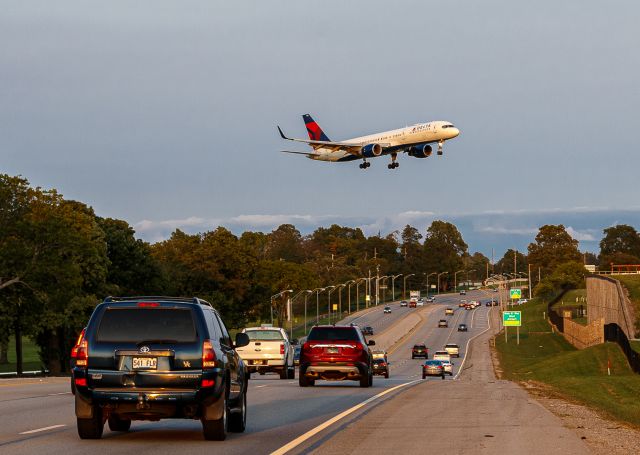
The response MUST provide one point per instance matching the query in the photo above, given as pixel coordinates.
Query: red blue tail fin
(314, 130)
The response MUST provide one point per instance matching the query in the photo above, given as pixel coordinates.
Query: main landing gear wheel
(440, 147)
(393, 165)
(365, 165)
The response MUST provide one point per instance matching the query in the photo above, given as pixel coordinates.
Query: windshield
(136, 325)
(265, 335)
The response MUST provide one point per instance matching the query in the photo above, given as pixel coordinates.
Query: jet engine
(420, 151)
(371, 150)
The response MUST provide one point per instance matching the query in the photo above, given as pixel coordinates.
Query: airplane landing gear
(394, 164)
(365, 165)
(440, 147)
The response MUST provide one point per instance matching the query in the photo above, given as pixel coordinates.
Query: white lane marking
(260, 386)
(43, 429)
(59, 393)
(466, 348)
(309, 434)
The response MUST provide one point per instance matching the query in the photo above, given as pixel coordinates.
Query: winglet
(281, 133)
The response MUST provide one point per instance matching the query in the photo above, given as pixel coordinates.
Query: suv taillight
(208, 355)
(74, 349)
(82, 354)
(281, 348)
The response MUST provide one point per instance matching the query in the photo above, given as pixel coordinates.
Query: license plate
(147, 363)
(332, 350)
(257, 362)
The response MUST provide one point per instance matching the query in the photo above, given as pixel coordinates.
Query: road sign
(335, 307)
(368, 298)
(511, 319)
(515, 293)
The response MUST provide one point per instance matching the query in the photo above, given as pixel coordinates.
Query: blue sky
(163, 113)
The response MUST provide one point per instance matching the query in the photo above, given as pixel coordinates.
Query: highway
(38, 415)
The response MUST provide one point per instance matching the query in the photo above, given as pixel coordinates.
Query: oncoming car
(387, 310)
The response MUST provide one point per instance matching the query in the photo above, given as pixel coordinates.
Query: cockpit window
(447, 126)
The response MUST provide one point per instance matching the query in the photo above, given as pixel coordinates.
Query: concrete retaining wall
(607, 301)
(583, 336)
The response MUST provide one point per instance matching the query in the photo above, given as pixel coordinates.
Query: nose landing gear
(440, 143)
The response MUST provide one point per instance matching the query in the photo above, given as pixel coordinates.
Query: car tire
(386, 375)
(443, 376)
(238, 418)
(93, 427)
(284, 373)
(291, 373)
(216, 430)
(413, 357)
(424, 376)
(118, 424)
(304, 381)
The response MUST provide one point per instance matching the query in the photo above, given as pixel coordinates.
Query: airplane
(413, 140)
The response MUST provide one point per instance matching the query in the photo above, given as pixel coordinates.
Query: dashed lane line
(38, 430)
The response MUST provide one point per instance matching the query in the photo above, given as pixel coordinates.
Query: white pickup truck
(269, 350)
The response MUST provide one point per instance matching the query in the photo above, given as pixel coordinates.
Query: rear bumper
(334, 371)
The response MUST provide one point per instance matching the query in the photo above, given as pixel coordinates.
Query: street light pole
(404, 286)
(393, 286)
(439, 274)
(428, 288)
(455, 280)
(274, 297)
(469, 271)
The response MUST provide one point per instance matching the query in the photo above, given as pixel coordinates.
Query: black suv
(151, 358)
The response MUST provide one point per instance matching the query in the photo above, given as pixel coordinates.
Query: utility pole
(529, 276)
(377, 283)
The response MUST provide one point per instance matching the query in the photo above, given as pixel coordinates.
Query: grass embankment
(632, 283)
(30, 358)
(573, 298)
(581, 376)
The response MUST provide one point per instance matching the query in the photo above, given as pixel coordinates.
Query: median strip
(309, 434)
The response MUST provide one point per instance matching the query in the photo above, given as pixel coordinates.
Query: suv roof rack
(195, 300)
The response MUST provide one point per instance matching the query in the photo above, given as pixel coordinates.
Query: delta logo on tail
(414, 140)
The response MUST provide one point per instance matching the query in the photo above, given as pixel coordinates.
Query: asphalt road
(38, 415)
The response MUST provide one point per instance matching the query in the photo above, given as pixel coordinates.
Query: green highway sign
(511, 319)
(515, 293)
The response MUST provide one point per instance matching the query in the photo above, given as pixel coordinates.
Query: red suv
(336, 353)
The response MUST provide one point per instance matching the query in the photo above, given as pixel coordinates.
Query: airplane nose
(455, 132)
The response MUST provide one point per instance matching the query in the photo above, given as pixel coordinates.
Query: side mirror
(242, 339)
(371, 343)
(295, 341)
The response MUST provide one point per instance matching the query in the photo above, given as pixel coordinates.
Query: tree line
(58, 259)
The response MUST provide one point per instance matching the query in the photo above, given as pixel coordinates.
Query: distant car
(433, 368)
(462, 303)
(491, 303)
(453, 349)
(448, 367)
(462, 327)
(443, 323)
(419, 350)
(431, 299)
(448, 311)
(381, 367)
(412, 304)
(495, 290)
(463, 292)
(367, 330)
(420, 300)
(296, 354)
(404, 303)
(442, 355)
(387, 309)
(469, 306)
(521, 301)
(379, 354)
(420, 303)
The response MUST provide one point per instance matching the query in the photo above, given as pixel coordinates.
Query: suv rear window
(264, 335)
(134, 325)
(333, 333)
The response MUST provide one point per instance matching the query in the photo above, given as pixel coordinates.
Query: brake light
(208, 382)
(148, 304)
(82, 354)
(281, 348)
(82, 382)
(74, 349)
(208, 355)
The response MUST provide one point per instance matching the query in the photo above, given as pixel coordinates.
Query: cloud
(508, 231)
(580, 236)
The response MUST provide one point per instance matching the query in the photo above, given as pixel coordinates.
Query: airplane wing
(308, 154)
(350, 147)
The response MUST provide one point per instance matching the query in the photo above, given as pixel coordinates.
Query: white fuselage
(420, 133)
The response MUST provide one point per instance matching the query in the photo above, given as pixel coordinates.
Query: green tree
(566, 276)
(506, 263)
(285, 243)
(620, 245)
(444, 249)
(553, 246)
